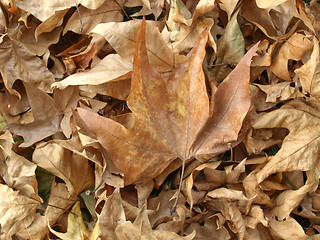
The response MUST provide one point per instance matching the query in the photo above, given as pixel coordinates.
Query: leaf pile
(201, 121)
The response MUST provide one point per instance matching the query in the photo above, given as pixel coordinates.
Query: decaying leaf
(301, 144)
(99, 110)
(76, 228)
(172, 118)
(46, 117)
(18, 62)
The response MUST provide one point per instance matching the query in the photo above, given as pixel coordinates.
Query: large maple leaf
(172, 117)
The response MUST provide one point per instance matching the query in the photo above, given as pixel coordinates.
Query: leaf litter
(200, 121)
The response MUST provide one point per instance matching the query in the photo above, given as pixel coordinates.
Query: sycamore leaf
(231, 48)
(44, 9)
(112, 215)
(123, 37)
(302, 143)
(19, 198)
(76, 228)
(46, 117)
(109, 11)
(170, 115)
(17, 172)
(17, 211)
(73, 169)
(111, 68)
(18, 62)
(295, 48)
(309, 73)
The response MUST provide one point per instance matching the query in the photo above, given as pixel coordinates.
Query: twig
(80, 19)
(218, 64)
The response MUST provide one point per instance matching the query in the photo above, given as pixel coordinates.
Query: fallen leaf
(76, 228)
(18, 62)
(17, 211)
(167, 124)
(300, 145)
(123, 37)
(309, 72)
(46, 117)
(295, 48)
(111, 68)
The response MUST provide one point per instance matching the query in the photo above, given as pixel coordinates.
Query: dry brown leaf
(285, 202)
(46, 117)
(230, 49)
(280, 91)
(109, 11)
(297, 46)
(17, 211)
(76, 228)
(227, 193)
(44, 9)
(111, 68)
(123, 37)
(19, 197)
(309, 72)
(301, 118)
(18, 62)
(112, 215)
(278, 21)
(208, 230)
(168, 124)
(73, 169)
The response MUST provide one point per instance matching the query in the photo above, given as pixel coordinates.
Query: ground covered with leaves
(159, 120)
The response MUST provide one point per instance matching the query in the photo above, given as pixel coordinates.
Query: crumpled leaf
(309, 72)
(295, 48)
(123, 37)
(231, 48)
(45, 9)
(300, 146)
(46, 117)
(76, 228)
(17, 211)
(111, 68)
(18, 198)
(18, 62)
(167, 124)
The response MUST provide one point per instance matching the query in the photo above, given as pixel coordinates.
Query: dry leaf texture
(154, 119)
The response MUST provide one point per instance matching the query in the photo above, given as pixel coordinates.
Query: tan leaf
(282, 91)
(45, 9)
(228, 6)
(268, 4)
(168, 123)
(111, 68)
(123, 37)
(208, 230)
(227, 193)
(295, 48)
(17, 211)
(46, 117)
(18, 62)
(109, 11)
(287, 229)
(73, 169)
(309, 72)
(285, 202)
(276, 20)
(76, 228)
(16, 171)
(301, 118)
(112, 215)
(139, 229)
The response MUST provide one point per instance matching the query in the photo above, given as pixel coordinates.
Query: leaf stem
(179, 190)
